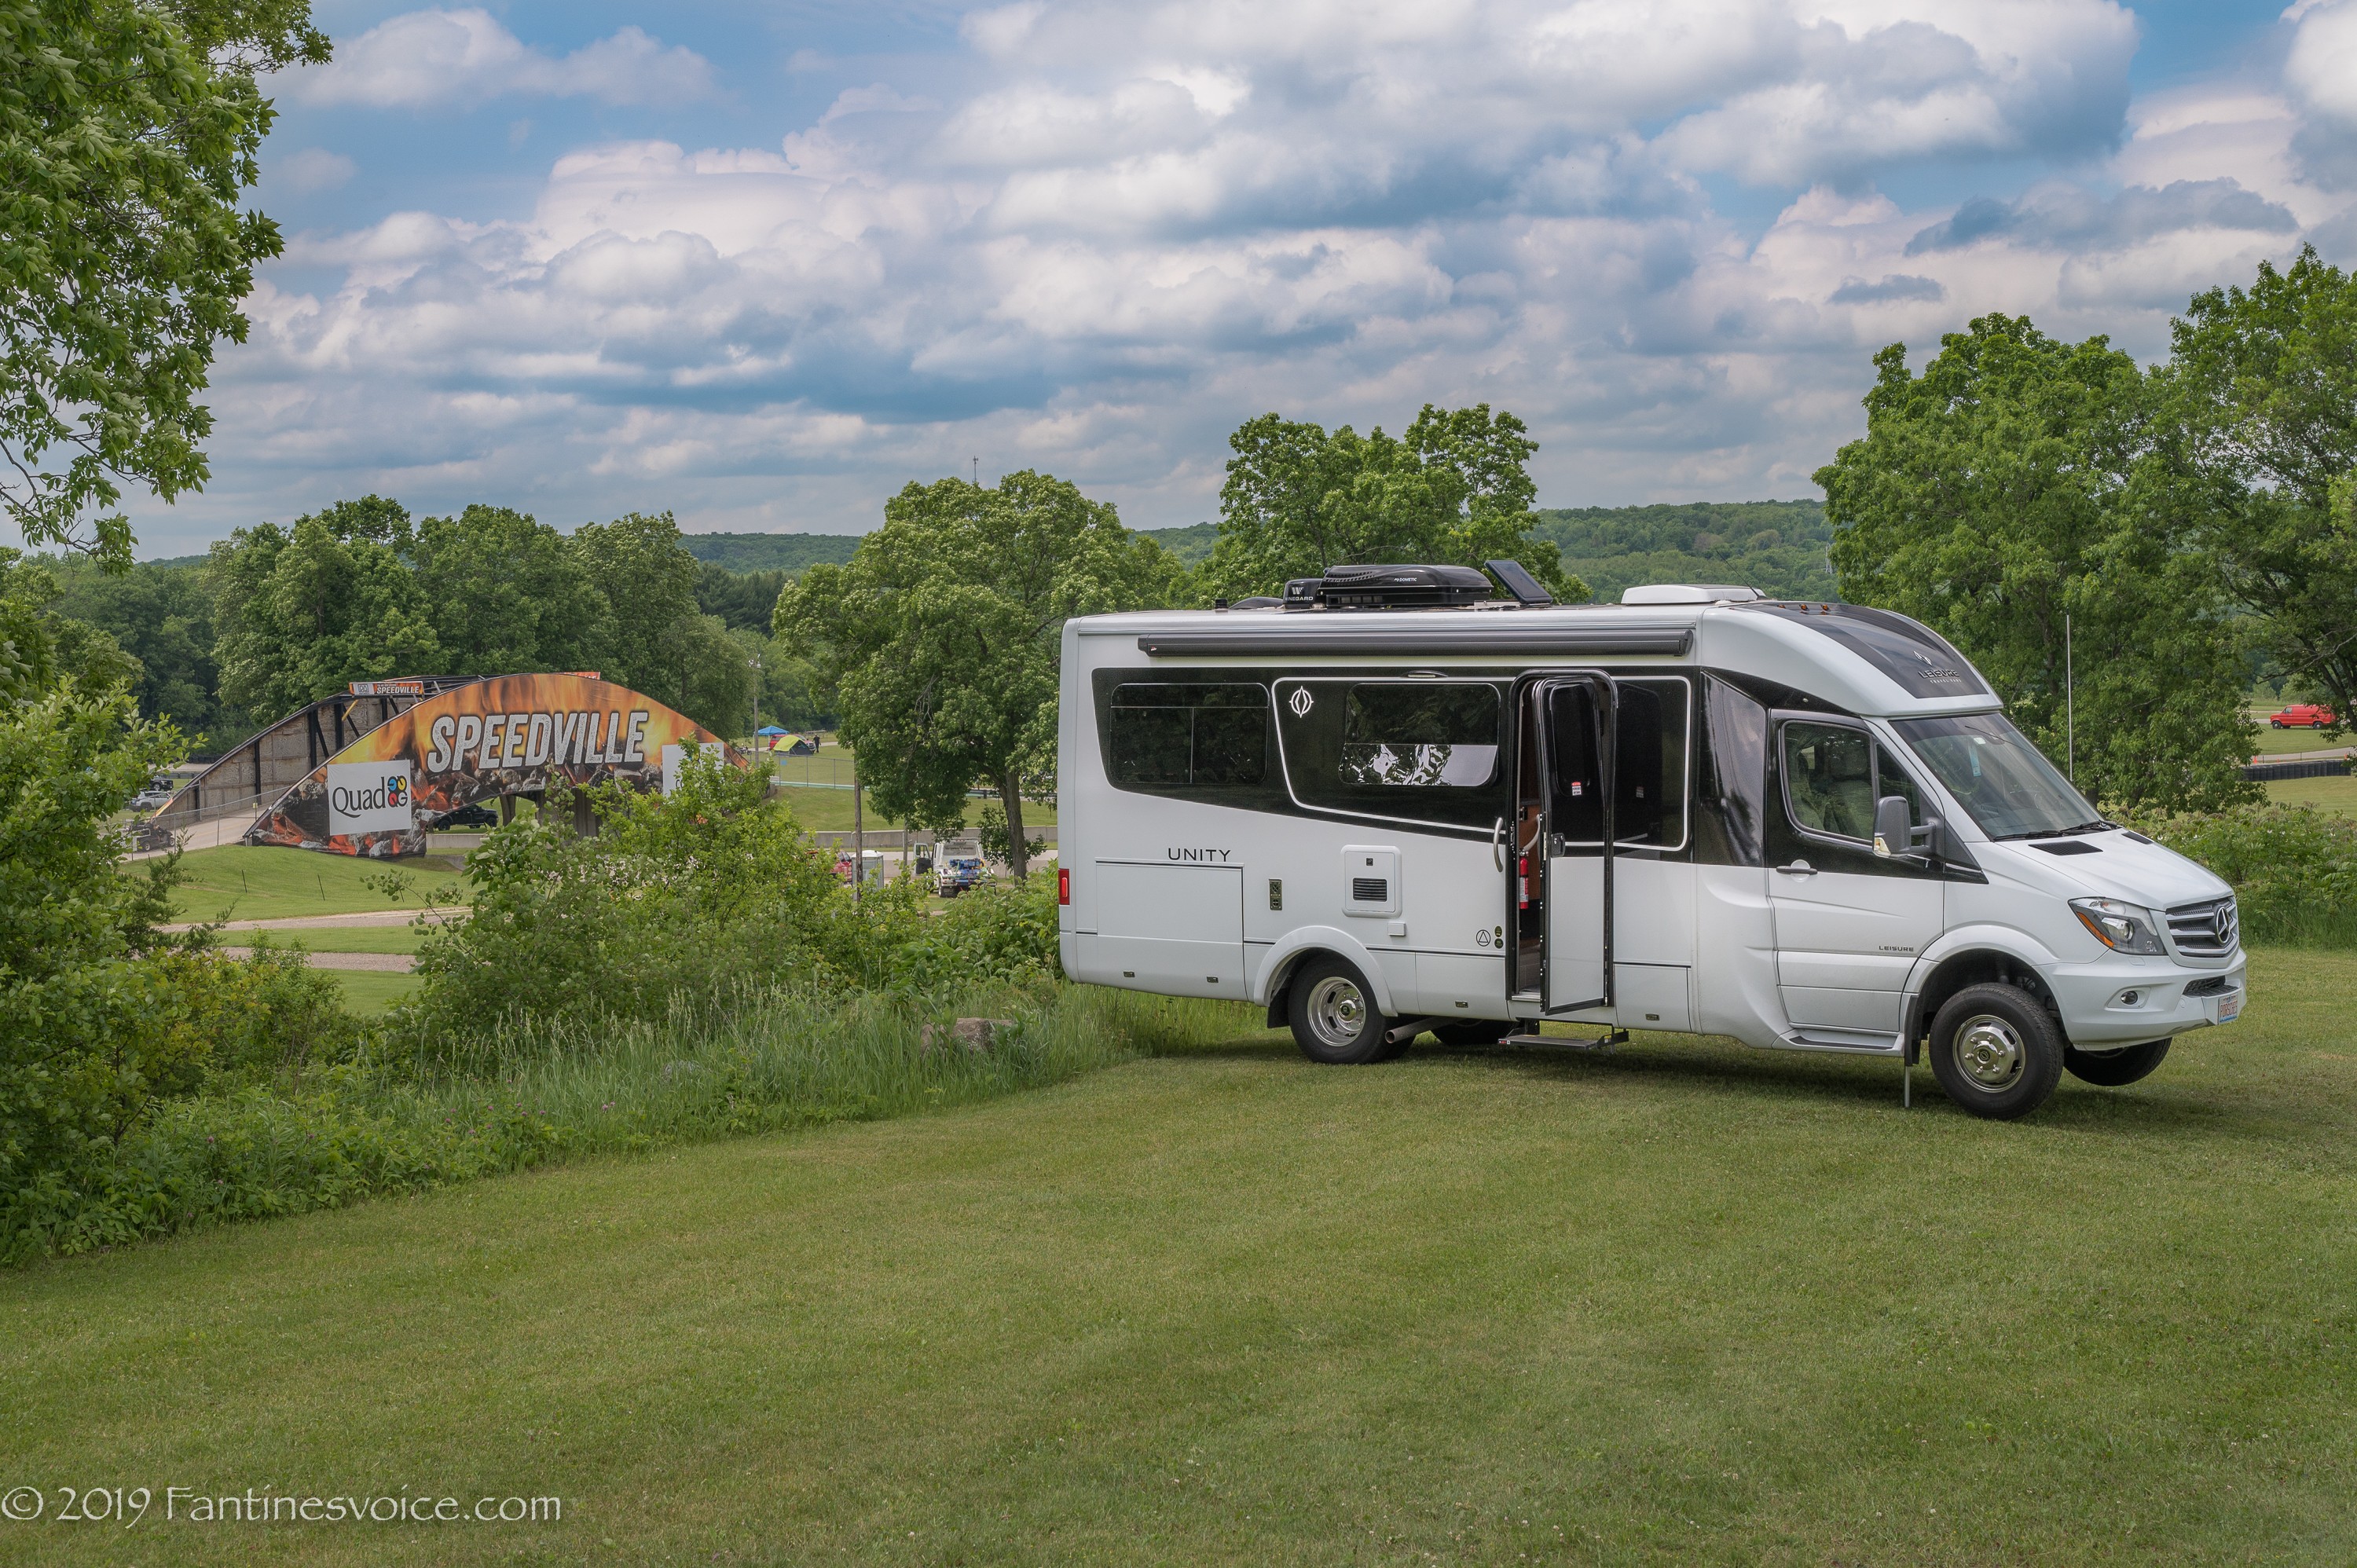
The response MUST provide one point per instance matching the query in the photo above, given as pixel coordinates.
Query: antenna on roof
(1520, 583)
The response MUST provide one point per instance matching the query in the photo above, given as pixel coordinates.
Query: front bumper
(2126, 1003)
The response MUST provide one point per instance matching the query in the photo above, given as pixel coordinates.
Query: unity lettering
(536, 739)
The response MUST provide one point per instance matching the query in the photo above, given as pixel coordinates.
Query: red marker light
(1064, 885)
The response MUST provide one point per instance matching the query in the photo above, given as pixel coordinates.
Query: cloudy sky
(762, 264)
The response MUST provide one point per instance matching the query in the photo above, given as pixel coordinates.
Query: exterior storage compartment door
(1176, 930)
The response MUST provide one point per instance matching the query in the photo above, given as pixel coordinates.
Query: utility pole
(977, 473)
(2069, 709)
(858, 834)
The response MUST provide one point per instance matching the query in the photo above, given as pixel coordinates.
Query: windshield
(1994, 772)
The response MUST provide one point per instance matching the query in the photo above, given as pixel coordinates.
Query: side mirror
(1894, 837)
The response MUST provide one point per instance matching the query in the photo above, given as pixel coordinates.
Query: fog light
(2128, 998)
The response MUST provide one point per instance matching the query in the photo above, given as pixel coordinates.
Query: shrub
(256, 1016)
(687, 896)
(83, 1010)
(1002, 932)
(2293, 868)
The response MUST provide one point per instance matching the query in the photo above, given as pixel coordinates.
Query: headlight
(2123, 927)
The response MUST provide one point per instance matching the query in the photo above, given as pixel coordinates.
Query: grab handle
(1497, 845)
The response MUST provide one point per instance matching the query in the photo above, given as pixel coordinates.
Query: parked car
(151, 799)
(468, 817)
(959, 866)
(2303, 716)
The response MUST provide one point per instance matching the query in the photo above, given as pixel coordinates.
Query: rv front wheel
(1334, 1017)
(1996, 1051)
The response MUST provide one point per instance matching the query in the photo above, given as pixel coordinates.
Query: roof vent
(1381, 587)
(1688, 594)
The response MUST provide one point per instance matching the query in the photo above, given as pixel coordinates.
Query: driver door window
(1833, 774)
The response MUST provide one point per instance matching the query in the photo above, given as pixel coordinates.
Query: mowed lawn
(1682, 1304)
(241, 882)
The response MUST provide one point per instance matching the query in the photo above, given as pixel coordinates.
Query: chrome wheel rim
(1338, 1012)
(1989, 1054)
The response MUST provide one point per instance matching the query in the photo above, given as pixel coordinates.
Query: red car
(2303, 716)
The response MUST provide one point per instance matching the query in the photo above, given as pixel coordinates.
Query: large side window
(1833, 774)
(1170, 735)
(1414, 750)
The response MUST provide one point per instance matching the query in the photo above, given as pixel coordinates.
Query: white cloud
(2321, 68)
(425, 57)
(1151, 222)
(312, 169)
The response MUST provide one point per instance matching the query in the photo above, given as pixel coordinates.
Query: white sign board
(370, 797)
(673, 755)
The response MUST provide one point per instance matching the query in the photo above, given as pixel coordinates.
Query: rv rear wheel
(2111, 1070)
(1333, 1013)
(1996, 1051)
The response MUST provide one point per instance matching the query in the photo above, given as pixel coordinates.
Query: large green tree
(1455, 489)
(657, 641)
(128, 133)
(2263, 381)
(941, 640)
(300, 611)
(2019, 480)
(162, 615)
(507, 594)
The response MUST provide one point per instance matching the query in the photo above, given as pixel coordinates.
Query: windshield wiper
(2098, 826)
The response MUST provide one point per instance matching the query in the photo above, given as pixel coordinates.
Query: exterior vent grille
(1370, 890)
(2206, 929)
(2209, 987)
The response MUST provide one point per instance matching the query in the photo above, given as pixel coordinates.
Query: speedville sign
(508, 734)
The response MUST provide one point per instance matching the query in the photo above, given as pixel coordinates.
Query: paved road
(307, 922)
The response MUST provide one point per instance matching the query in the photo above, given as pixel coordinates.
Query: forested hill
(770, 552)
(1776, 546)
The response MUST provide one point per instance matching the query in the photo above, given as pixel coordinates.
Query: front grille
(2206, 929)
(2209, 987)
(1371, 890)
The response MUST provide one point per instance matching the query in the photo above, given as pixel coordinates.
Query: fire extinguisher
(1522, 879)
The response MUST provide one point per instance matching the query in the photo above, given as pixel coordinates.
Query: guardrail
(2332, 767)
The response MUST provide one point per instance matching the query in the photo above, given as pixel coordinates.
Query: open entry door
(1578, 717)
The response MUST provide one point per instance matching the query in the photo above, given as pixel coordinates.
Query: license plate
(2229, 1006)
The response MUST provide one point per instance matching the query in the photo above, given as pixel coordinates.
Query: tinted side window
(1411, 750)
(1171, 733)
(1732, 830)
(1420, 736)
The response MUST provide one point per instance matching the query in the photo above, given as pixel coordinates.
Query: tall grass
(523, 1095)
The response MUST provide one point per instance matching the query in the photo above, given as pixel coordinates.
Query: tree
(507, 594)
(301, 611)
(2263, 381)
(162, 615)
(656, 641)
(2020, 479)
(128, 133)
(941, 640)
(1454, 490)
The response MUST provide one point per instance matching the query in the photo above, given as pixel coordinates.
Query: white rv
(1391, 804)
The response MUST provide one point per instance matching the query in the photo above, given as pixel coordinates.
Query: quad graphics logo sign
(370, 797)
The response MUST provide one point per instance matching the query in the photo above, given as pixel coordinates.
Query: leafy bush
(256, 1016)
(687, 896)
(84, 1040)
(2293, 868)
(998, 932)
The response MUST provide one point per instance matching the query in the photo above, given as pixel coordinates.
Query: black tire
(1473, 1032)
(1996, 1051)
(2112, 1070)
(1333, 1010)
(2278, 723)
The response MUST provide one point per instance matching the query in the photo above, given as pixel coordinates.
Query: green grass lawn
(2325, 794)
(1682, 1304)
(2272, 741)
(332, 939)
(369, 991)
(247, 883)
(829, 811)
